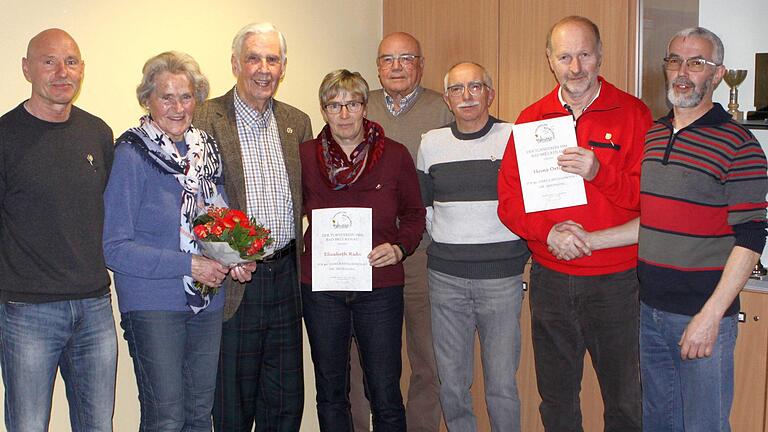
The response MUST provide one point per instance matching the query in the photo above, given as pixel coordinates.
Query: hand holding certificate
(341, 242)
(544, 184)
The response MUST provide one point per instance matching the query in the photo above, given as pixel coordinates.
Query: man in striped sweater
(702, 229)
(475, 263)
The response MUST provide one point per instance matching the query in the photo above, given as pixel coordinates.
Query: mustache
(681, 80)
(468, 104)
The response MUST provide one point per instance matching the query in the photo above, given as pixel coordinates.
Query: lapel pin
(289, 130)
(378, 186)
(89, 158)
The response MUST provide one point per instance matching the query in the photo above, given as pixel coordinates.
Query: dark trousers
(571, 314)
(260, 378)
(422, 408)
(376, 318)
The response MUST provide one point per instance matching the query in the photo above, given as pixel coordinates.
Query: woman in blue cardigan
(164, 172)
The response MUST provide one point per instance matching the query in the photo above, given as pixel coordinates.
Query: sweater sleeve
(425, 180)
(620, 184)
(746, 187)
(122, 201)
(411, 213)
(530, 226)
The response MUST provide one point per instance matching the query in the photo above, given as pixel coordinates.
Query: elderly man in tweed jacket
(260, 377)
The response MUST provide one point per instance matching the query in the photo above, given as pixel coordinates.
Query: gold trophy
(733, 78)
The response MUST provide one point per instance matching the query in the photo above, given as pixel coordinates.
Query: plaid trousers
(260, 377)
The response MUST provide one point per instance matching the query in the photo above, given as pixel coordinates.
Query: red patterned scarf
(342, 171)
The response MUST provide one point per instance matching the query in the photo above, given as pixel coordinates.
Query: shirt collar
(250, 116)
(404, 102)
(473, 135)
(716, 116)
(563, 103)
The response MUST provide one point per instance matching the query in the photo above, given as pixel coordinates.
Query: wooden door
(523, 27)
(750, 404)
(450, 31)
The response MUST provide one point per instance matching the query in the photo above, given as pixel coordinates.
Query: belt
(283, 252)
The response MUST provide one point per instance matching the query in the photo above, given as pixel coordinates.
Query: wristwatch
(402, 249)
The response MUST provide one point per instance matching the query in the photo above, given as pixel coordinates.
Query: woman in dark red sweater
(352, 164)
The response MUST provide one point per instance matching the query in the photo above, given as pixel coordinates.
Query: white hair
(258, 28)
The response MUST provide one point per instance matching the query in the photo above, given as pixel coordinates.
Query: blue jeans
(492, 308)
(77, 336)
(684, 395)
(175, 356)
(376, 320)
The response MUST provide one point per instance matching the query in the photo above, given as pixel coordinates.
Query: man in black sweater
(55, 307)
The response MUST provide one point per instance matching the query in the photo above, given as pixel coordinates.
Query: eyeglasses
(457, 90)
(695, 64)
(406, 60)
(335, 107)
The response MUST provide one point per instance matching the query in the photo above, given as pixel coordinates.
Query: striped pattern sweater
(458, 176)
(702, 192)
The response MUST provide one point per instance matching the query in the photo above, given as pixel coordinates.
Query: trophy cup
(733, 78)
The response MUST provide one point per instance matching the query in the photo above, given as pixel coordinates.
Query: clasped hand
(568, 240)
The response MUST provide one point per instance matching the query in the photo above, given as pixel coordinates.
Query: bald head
(575, 21)
(400, 38)
(54, 68)
(469, 94)
(51, 36)
(400, 77)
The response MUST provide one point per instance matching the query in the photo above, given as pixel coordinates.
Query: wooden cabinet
(750, 405)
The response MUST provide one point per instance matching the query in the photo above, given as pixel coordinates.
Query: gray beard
(691, 100)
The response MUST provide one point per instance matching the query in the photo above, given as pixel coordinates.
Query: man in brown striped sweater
(702, 229)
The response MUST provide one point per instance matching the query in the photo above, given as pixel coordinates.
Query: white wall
(741, 26)
(115, 39)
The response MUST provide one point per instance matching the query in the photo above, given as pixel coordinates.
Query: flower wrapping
(229, 237)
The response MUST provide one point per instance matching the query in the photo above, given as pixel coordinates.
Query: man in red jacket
(583, 300)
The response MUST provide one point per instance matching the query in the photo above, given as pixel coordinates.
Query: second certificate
(341, 241)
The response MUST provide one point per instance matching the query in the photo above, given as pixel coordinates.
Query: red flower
(221, 225)
(201, 231)
(217, 229)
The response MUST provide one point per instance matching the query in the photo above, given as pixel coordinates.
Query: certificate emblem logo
(544, 134)
(341, 221)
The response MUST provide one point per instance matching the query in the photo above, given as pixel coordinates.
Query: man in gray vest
(406, 110)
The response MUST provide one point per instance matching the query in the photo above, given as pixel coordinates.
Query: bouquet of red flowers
(229, 237)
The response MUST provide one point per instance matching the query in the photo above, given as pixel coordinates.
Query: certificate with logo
(544, 185)
(341, 242)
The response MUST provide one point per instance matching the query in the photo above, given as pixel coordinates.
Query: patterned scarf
(197, 172)
(340, 171)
